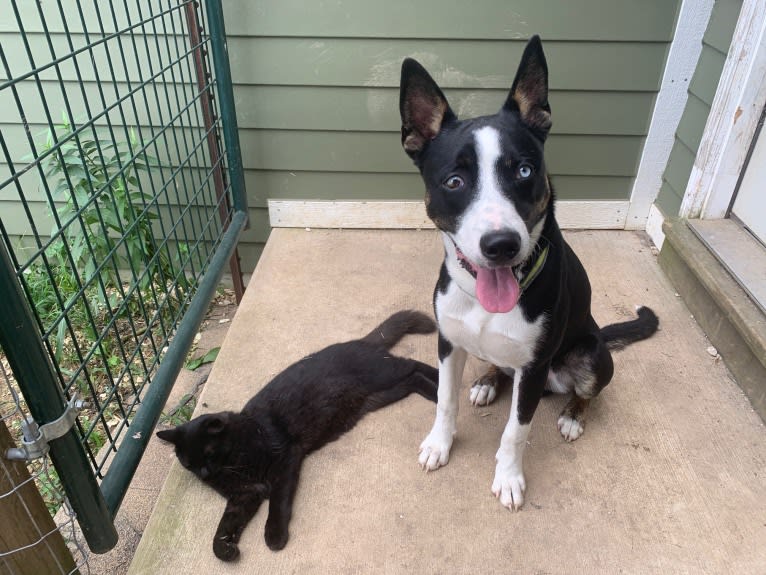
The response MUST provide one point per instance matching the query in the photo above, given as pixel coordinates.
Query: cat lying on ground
(257, 454)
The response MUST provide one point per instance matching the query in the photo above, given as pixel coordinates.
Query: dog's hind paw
(570, 428)
(485, 389)
(482, 393)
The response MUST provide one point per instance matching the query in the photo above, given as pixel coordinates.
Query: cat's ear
(169, 435)
(216, 423)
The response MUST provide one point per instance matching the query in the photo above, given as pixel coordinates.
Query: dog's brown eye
(453, 183)
(525, 171)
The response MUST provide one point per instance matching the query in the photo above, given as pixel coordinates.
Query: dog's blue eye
(525, 171)
(454, 183)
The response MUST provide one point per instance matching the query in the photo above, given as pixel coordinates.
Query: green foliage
(106, 217)
(102, 227)
(209, 357)
(103, 262)
(182, 412)
(96, 437)
(49, 485)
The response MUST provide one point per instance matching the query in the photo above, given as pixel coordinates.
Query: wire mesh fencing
(121, 200)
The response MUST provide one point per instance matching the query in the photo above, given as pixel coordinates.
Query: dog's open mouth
(497, 289)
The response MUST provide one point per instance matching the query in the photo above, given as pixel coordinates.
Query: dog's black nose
(500, 247)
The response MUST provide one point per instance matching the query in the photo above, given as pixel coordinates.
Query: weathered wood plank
(412, 215)
(623, 20)
(739, 252)
(618, 20)
(381, 152)
(465, 64)
(363, 109)
(26, 523)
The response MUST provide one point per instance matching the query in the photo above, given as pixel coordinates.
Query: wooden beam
(27, 525)
(412, 214)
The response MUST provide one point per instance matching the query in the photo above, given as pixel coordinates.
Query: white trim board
(654, 226)
(602, 215)
(668, 108)
(733, 119)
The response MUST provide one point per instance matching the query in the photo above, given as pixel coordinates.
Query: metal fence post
(34, 373)
(213, 141)
(220, 52)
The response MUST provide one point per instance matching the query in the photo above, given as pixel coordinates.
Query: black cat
(257, 454)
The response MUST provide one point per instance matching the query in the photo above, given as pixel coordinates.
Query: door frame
(683, 55)
(733, 120)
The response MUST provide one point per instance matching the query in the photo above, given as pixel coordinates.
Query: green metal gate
(121, 201)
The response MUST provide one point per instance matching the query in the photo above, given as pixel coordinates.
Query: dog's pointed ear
(423, 108)
(529, 93)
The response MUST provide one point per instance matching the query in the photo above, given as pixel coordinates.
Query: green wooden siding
(316, 88)
(702, 89)
(646, 20)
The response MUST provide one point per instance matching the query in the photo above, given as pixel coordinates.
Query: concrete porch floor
(669, 477)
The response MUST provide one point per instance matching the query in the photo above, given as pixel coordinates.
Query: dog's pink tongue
(497, 289)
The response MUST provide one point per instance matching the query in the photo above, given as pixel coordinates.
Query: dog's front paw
(570, 427)
(434, 451)
(509, 486)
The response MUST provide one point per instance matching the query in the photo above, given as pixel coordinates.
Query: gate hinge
(36, 439)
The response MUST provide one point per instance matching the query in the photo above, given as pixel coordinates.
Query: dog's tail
(388, 333)
(618, 335)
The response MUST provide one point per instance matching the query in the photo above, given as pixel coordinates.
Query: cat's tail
(397, 326)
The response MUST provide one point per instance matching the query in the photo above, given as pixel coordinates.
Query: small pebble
(712, 351)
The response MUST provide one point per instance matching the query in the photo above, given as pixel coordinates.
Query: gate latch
(36, 439)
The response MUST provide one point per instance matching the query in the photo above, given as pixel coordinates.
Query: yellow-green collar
(536, 269)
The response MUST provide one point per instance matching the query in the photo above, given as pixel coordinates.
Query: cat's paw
(224, 549)
(276, 536)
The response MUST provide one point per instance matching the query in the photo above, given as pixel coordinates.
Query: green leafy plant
(49, 486)
(103, 262)
(106, 215)
(182, 412)
(103, 227)
(209, 357)
(96, 437)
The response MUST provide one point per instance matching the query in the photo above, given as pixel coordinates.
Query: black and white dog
(511, 291)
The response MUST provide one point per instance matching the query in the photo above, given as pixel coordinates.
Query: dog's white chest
(506, 340)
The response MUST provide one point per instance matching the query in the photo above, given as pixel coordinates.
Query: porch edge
(730, 319)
